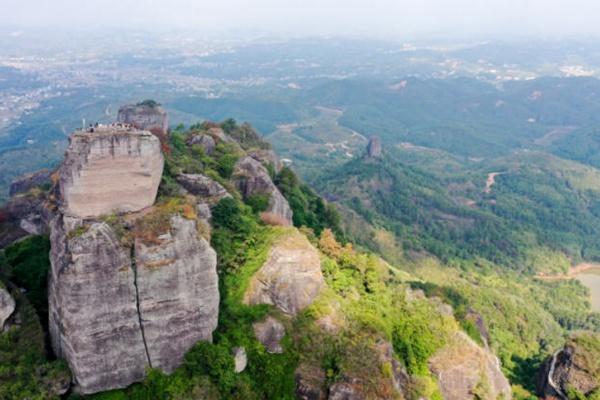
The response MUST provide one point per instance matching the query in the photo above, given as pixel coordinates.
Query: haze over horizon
(378, 18)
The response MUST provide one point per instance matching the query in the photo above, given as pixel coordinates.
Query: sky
(381, 18)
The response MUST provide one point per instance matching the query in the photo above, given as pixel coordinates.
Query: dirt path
(490, 181)
(572, 273)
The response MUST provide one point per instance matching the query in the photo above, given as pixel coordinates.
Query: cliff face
(116, 310)
(93, 316)
(151, 118)
(178, 292)
(108, 169)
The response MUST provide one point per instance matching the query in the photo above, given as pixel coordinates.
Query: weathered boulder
(291, 277)
(270, 332)
(110, 169)
(116, 310)
(266, 157)
(374, 149)
(252, 178)
(575, 367)
(209, 190)
(206, 142)
(240, 359)
(27, 182)
(148, 116)
(178, 292)
(465, 370)
(94, 321)
(7, 306)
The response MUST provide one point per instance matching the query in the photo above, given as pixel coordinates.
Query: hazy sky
(374, 17)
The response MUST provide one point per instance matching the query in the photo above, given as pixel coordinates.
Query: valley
(369, 217)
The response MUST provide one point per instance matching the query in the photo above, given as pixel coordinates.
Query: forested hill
(531, 212)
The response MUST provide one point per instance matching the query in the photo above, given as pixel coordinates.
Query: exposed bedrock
(252, 178)
(116, 310)
(110, 169)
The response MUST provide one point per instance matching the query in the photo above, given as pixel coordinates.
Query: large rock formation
(374, 147)
(7, 306)
(117, 310)
(178, 292)
(135, 294)
(94, 319)
(252, 178)
(291, 278)
(574, 368)
(108, 169)
(465, 370)
(147, 115)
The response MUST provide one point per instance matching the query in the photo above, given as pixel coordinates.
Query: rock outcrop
(374, 149)
(7, 306)
(573, 368)
(266, 157)
(117, 310)
(465, 370)
(110, 169)
(206, 142)
(270, 332)
(291, 277)
(252, 178)
(240, 359)
(210, 191)
(118, 307)
(147, 115)
(27, 182)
